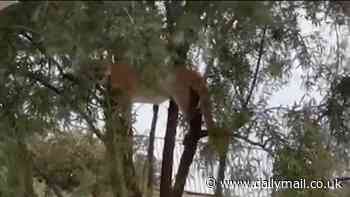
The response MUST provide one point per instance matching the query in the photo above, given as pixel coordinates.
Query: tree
(52, 57)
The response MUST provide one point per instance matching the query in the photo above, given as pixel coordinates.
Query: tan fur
(175, 84)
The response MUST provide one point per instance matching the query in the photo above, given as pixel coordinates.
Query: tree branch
(64, 75)
(68, 76)
(261, 50)
(204, 133)
(88, 120)
(46, 84)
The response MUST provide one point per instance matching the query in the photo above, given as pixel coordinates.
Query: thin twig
(262, 146)
(131, 19)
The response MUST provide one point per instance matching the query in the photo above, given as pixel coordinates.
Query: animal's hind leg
(181, 96)
(188, 101)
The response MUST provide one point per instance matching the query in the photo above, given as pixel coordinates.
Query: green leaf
(219, 139)
(275, 70)
(240, 119)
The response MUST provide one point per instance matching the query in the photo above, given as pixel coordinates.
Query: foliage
(305, 157)
(69, 161)
(52, 57)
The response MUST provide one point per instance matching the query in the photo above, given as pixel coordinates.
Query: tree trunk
(151, 150)
(116, 141)
(114, 161)
(168, 150)
(221, 176)
(20, 170)
(119, 155)
(190, 143)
